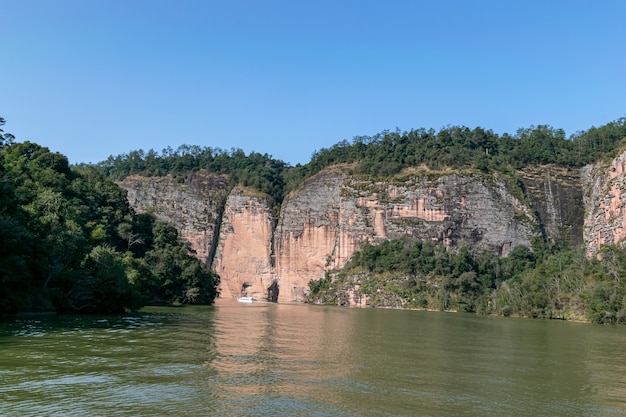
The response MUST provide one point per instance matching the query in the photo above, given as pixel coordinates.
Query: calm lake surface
(299, 360)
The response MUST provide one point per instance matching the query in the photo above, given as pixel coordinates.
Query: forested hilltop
(547, 279)
(77, 212)
(71, 243)
(384, 154)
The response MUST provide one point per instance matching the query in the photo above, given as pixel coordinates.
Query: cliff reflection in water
(269, 351)
(302, 360)
(310, 360)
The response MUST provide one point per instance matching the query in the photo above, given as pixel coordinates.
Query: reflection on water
(277, 359)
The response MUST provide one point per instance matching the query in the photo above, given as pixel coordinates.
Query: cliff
(194, 206)
(555, 195)
(334, 212)
(243, 258)
(605, 202)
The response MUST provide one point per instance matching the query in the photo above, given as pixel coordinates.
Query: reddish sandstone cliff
(307, 239)
(605, 202)
(328, 219)
(244, 250)
(334, 212)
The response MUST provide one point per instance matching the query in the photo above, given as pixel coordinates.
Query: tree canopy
(259, 171)
(70, 242)
(458, 146)
(385, 153)
(543, 281)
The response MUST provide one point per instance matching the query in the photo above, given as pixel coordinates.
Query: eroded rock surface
(193, 206)
(334, 212)
(244, 250)
(605, 202)
(556, 195)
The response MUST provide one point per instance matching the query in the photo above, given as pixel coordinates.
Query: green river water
(300, 360)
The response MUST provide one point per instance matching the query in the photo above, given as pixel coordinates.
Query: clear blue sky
(93, 78)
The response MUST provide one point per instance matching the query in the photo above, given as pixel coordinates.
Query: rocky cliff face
(194, 206)
(555, 194)
(334, 212)
(307, 237)
(474, 209)
(244, 251)
(605, 202)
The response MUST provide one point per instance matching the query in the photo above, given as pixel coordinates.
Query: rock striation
(193, 206)
(555, 195)
(334, 212)
(243, 258)
(605, 203)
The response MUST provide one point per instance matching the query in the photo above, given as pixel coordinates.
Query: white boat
(245, 299)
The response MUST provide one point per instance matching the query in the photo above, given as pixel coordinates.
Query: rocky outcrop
(556, 195)
(244, 251)
(193, 206)
(478, 210)
(335, 212)
(605, 200)
(307, 239)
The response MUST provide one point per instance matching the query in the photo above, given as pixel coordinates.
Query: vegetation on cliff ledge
(71, 243)
(387, 153)
(255, 170)
(544, 282)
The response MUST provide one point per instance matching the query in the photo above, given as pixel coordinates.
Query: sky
(93, 78)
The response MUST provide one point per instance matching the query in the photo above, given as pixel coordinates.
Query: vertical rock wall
(194, 206)
(334, 212)
(477, 210)
(556, 195)
(306, 236)
(244, 250)
(605, 200)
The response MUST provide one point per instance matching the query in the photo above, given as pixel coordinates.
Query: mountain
(334, 212)
(529, 224)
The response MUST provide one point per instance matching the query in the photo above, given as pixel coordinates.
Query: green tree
(101, 285)
(179, 278)
(69, 240)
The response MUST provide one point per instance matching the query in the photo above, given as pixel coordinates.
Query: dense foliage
(458, 146)
(70, 242)
(383, 154)
(254, 170)
(544, 281)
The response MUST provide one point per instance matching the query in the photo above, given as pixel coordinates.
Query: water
(300, 360)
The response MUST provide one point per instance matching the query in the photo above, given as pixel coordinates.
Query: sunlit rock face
(307, 238)
(334, 212)
(322, 224)
(244, 250)
(605, 202)
(475, 210)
